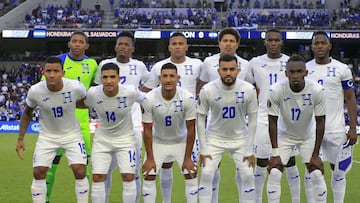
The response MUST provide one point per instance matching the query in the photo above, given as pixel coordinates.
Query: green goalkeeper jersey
(83, 70)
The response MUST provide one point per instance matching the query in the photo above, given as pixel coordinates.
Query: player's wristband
(275, 152)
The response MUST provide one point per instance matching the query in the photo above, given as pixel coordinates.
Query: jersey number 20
(228, 112)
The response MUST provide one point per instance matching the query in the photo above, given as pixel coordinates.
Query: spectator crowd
(165, 14)
(14, 86)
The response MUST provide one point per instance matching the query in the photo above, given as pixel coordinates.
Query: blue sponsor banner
(147, 33)
(14, 127)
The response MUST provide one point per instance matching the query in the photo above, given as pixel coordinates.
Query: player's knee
(99, 177)
(262, 162)
(127, 177)
(39, 172)
(192, 176)
(167, 165)
(291, 162)
(79, 171)
(319, 186)
(150, 177)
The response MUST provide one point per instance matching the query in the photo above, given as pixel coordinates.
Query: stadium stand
(200, 14)
(15, 82)
(8, 5)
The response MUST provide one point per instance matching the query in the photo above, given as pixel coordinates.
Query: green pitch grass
(16, 177)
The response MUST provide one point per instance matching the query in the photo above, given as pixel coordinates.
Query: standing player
(337, 80)
(229, 41)
(229, 101)
(115, 136)
(189, 70)
(132, 72)
(59, 128)
(77, 66)
(264, 71)
(172, 111)
(292, 106)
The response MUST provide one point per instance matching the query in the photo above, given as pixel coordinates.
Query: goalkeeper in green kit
(77, 66)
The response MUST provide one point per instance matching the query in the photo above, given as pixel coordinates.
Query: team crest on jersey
(268, 103)
(85, 68)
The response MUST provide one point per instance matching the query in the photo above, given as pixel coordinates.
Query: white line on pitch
(358, 162)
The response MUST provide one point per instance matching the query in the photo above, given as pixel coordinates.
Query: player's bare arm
(149, 164)
(315, 161)
(188, 164)
(24, 123)
(275, 161)
(80, 104)
(145, 89)
(249, 156)
(204, 154)
(350, 102)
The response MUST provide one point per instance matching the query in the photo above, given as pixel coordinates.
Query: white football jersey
(133, 73)
(189, 72)
(169, 117)
(114, 113)
(228, 108)
(211, 64)
(264, 72)
(296, 110)
(334, 77)
(57, 109)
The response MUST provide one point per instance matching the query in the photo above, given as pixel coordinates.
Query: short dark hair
(54, 59)
(230, 31)
(228, 58)
(320, 33)
(80, 32)
(177, 34)
(169, 66)
(110, 66)
(272, 30)
(127, 34)
(296, 58)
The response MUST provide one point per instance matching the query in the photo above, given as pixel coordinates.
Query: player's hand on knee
(316, 163)
(203, 159)
(275, 162)
(189, 168)
(148, 166)
(352, 137)
(250, 159)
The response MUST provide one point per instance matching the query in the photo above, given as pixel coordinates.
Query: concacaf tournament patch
(268, 103)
